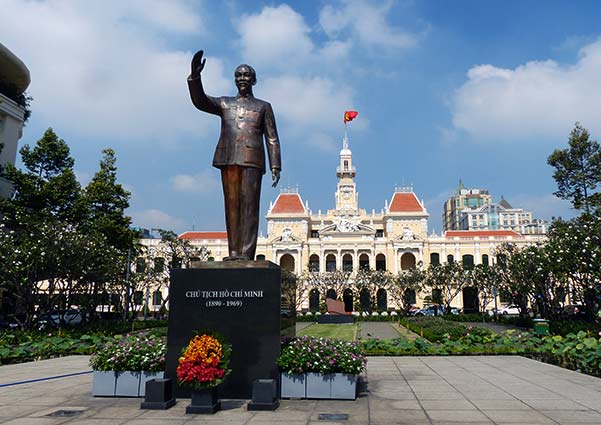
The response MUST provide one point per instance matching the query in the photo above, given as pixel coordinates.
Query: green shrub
(436, 329)
(471, 317)
(520, 322)
(565, 327)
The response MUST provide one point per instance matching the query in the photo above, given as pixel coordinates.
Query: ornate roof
(203, 235)
(405, 202)
(288, 203)
(12, 69)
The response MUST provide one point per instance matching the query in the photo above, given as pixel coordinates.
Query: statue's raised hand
(198, 63)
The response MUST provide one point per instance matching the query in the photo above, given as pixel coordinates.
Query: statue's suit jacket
(244, 121)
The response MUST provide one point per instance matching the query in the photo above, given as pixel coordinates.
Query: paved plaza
(400, 390)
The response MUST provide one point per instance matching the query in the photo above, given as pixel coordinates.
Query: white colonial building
(351, 238)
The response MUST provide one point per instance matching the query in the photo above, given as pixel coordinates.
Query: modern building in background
(473, 209)
(349, 238)
(14, 80)
(463, 199)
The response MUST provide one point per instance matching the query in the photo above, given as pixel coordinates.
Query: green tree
(449, 278)
(578, 170)
(405, 285)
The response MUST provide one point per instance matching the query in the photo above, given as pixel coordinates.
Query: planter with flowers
(320, 368)
(202, 367)
(123, 365)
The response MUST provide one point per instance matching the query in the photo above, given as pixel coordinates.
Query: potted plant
(320, 368)
(123, 365)
(202, 367)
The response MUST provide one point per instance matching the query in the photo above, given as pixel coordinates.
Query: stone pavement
(401, 390)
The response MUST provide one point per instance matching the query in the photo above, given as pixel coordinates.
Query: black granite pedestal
(241, 300)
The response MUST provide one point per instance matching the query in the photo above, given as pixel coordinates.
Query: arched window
(314, 263)
(330, 263)
(260, 257)
(410, 297)
(470, 300)
(138, 298)
(345, 165)
(157, 297)
(467, 261)
(287, 262)
(380, 262)
(159, 265)
(347, 298)
(450, 259)
(437, 296)
(331, 294)
(434, 259)
(365, 300)
(382, 299)
(364, 262)
(313, 300)
(485, 260)
(140, 265)
(347, 263)
(407, 261)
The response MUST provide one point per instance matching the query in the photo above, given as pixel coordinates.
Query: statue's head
(245, 77)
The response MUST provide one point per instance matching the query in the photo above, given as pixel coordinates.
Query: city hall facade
(350, 238)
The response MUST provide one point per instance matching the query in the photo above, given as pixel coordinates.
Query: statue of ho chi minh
(240, 155)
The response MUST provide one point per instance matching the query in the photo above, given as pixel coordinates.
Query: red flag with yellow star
(350, 115)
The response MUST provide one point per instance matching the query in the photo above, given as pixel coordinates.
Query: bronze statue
(240, 154)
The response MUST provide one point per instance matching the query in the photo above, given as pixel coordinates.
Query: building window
(138, 297)
(450, 259)
(157, 297)
(260, 257)
(485, 259)
(347, 263)
(380, 262)
(331, 263)
(434, 258)
(140, 265)
(468, 261)
(315, 234)
(159, 265)
(314, 263)
(379, 233)
(345, 165)
(363, 262)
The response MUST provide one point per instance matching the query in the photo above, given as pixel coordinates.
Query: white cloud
(366, 22)
(277, 35)
(102, 69)
(309, 103)
(156, 219)
(539, 100)
(204, 182)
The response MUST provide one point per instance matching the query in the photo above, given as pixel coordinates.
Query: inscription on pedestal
(240, 300)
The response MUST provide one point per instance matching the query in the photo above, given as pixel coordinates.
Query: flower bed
(320, 368)
(124, 364)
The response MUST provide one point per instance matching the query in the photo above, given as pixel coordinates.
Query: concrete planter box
(343, 386)
(318, 385)
(340, 386)
(147, 376)
(128, 384)
(293, 386)
(121, 384)
(103, 384)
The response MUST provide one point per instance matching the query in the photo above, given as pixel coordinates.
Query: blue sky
(471, 90)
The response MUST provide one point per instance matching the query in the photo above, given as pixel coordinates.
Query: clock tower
(347, 198)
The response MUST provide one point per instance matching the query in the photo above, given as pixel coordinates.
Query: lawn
(347, 332)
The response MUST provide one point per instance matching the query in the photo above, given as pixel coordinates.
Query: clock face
(346, 192)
